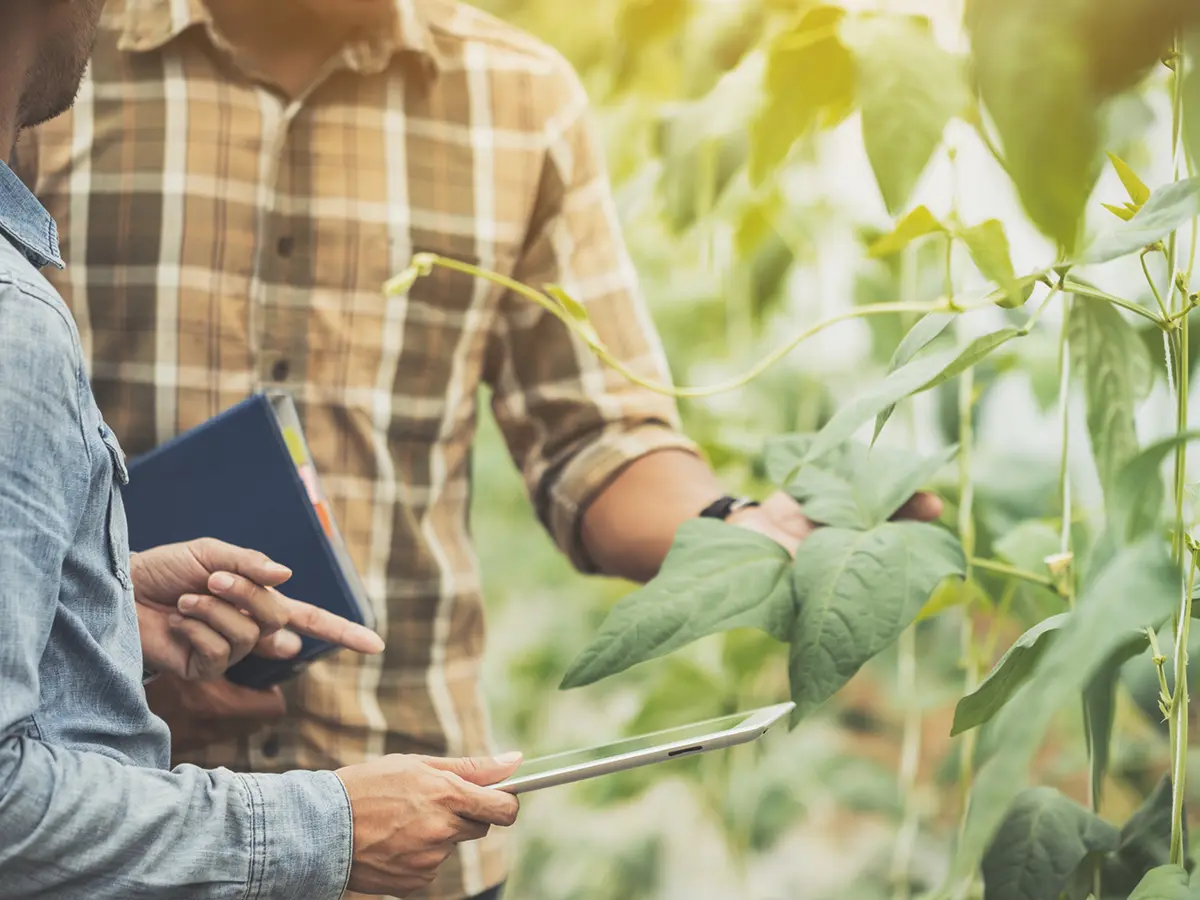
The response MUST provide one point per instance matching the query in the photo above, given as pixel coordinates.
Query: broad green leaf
(989, 249)
(1028, 545)
(1145, 843)
(1102, 621)
(1007, 676)
(857, 591)
(922, 374)
(918, 223)
(1136, 500)
(1164, 883)
(920, 336)
(1168, 209)
(1099, 705)
(715, 578)
(852, 486)
(951, 594)
(909, 89)
(1033, 67)
(1134, 186)
(809, 82)
(1041, 843)
(1103, 358)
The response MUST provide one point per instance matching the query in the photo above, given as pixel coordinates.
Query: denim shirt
(88, 807)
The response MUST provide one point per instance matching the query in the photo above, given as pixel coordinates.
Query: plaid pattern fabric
(221, 238)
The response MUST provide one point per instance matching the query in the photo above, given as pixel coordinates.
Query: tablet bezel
(755, 724)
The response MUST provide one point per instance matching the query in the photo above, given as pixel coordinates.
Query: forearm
(82, 824)
(628, 528)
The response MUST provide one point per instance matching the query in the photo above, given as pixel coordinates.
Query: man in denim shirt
(87, 805)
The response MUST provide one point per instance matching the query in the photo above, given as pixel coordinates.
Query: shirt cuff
(303, 836)
(592, 470)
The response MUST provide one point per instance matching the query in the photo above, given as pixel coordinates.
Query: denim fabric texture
(88, 807)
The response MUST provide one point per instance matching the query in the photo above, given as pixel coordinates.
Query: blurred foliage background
(862, 799)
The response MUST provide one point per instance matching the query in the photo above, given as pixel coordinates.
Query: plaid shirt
(221, 239)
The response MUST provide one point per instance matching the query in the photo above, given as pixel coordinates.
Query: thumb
(480, 770)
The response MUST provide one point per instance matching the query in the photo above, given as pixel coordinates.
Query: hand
(782, 519)
(410, 812)
(200, 713)
(204, 605)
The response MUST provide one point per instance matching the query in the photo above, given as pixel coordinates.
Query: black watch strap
(725, 507)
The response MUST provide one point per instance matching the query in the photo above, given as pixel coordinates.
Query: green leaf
(1104, 358)
(644, 22)
(1124, 213)
(1145, 843)
(852, 486)
(1099, 704)
(1164, 883)
(1032, 63)
(916, 224)
(1007, 676)
(1168, 209)
(951, 594)
(1102, 621)
(1134, 186)
(857, 591)
(809, 82)
(715, 578)
(577, 312)
(1041, 843)
(920, 336)
(989, 249)
(909, 89)
(1028, 545)
(1136, 499)
(922, 374)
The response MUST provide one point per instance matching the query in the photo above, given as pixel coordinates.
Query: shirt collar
(147, 25)
(26, 223)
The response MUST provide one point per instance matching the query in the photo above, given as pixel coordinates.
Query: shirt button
(270, 747)
(286, 245)
(279, 371)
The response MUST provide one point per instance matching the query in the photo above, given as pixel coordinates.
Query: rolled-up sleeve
(572, 424)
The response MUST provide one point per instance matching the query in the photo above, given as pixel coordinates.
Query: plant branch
(999, 568)
(1090, 293)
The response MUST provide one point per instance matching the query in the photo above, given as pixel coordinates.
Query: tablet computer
(630, 753)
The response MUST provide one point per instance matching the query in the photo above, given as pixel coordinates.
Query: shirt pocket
(117, 526)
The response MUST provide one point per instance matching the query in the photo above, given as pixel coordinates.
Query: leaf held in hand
(715, 578)
(857, 591)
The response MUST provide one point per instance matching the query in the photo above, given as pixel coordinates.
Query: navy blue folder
(245, 477)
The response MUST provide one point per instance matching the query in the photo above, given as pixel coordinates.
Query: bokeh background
(862, 800)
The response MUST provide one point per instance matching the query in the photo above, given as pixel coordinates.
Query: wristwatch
(726, 506)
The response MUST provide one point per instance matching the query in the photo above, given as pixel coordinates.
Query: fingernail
(188, 602)
(507, 759)
(222, 581)
(276, 569)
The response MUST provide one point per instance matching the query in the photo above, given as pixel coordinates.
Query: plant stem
(1179, 719)
(1166, 315)
(966, 534)
(1064, 469)
(999, 568)
(1090, 293)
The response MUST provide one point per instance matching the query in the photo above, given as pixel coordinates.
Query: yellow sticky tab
(295, 445)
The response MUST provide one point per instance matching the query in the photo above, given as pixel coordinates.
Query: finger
(240, 632)
(282, 644)
(232, 701)
(209, 656)
(325, 626)
(218, 556)
(469, 830)
(486, 806)
(481, 770)
(922, 506)
(265, 605)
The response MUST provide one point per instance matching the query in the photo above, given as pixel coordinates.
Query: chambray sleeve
(571, 423)
(78, 822)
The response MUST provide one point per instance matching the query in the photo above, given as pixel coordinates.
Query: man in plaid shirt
(233, 187)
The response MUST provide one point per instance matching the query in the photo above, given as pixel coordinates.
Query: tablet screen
(629, 745)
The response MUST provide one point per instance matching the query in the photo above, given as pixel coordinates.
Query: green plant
(1041, 77)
